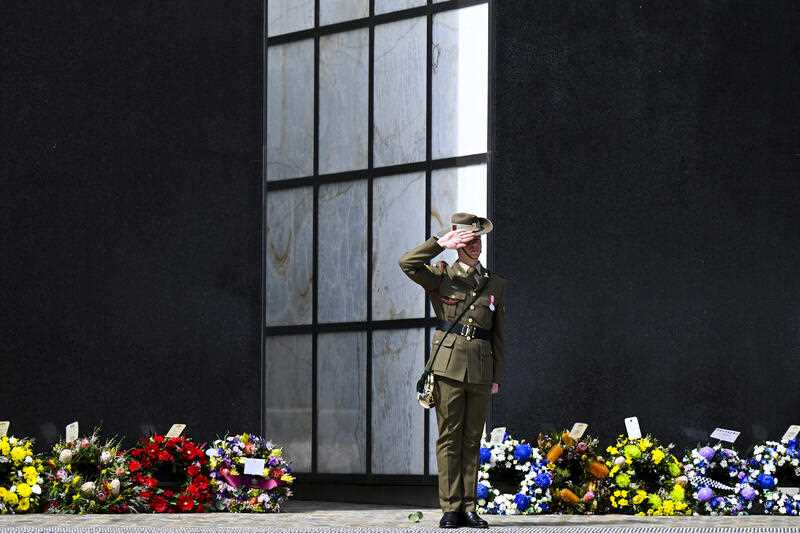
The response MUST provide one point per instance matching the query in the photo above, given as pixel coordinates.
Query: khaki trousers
(461, 410)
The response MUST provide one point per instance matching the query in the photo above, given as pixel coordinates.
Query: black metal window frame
(368, 174)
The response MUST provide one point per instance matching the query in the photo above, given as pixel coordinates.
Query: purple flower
(707, 452)
(748, 493)
(582, 447)
(705, 494)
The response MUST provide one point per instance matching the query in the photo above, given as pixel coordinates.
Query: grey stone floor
(352, 518)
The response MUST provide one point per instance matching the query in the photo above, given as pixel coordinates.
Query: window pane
(287, 405)
(290, 110)
(457, 190)
(285, 16)
(289, 259)
(397, 420)
(332, 11)
(460, 81)
(399, 111)
(342, 404)
(433, 435)
(342, 265)
(398, 225)
(343, 101)
(385, 6)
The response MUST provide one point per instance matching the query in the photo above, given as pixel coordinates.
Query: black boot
(472, 519)
(450, 520)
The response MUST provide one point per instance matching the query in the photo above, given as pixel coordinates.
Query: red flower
(158, 438)
(146, 494)
(158, 504)
(165, 456)
(169, 493)
(200, 482)
(277, 473)
(150, 482)
(193, 470)
(134, 466)
(185, 503)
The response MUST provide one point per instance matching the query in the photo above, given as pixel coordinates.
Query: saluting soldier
(468, 366)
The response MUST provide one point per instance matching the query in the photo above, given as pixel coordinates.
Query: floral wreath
(645, 478)
(579, 473)
(238, 492)
(770, 462)
(85, 476)
(176, 459)
(719, 481)
(518, 457)
(20, 476)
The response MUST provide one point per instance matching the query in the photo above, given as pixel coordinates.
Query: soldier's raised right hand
(457, 238)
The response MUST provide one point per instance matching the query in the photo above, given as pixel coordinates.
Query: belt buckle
(468, 331)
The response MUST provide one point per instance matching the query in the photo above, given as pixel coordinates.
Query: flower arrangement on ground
(168, 474)
(579, 473)
(20, 476)
(528, 472)
(238, 492)
(718, 481)
(645, 478)
(89, 476)
(773, 467)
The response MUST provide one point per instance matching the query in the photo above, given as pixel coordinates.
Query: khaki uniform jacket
(475, 360)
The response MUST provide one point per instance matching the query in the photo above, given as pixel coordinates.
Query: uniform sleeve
(414, 264)
(498, 338)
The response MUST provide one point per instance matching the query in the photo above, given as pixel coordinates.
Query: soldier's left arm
(498, 336)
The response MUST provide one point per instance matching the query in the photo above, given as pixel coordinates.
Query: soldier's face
(473, 248)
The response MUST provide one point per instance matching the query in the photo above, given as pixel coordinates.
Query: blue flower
(522, 452)
(486, 455)
(543, 480)
(765, 481)
(522, 501)
(482, 492)
(717, 502)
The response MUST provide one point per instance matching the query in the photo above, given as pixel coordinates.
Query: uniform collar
(468, 273)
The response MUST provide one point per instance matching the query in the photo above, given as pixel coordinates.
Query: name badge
(491, 303)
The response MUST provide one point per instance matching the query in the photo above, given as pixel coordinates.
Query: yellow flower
(18, 454)
(640, 496)
(612, 450)
(24, 504)
(658, 456)
(24, 490)
(76, 480)
(5, 447)
(645, 443)
(11, 498)
(669, 507)
(288, 478)
(277, 452)
(623, 502)
(3, 492)
(266, 472)
(30, 475)
(245, 437)
(613, 502)
(677, 493)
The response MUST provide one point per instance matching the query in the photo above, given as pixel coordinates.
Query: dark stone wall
(646, 206)
(131, 194)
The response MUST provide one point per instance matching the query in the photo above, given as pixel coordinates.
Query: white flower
(105, 457)
(115, 487)
(88, 488)
(36, 489)
(28, 460)
(65, 456)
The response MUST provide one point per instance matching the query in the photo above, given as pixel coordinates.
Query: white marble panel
(398, 225)
(342, 260)
(342, 402)
(343, 101)
(433, 467)
(333, 11)
(289, 256)
(385, 6)
(460, 81)
(455, 190)
(399, 108)
(284, 16)
(288, 392)
(397, 420)
(290, 110)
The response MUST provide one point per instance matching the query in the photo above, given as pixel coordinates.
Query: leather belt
(465, 330)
